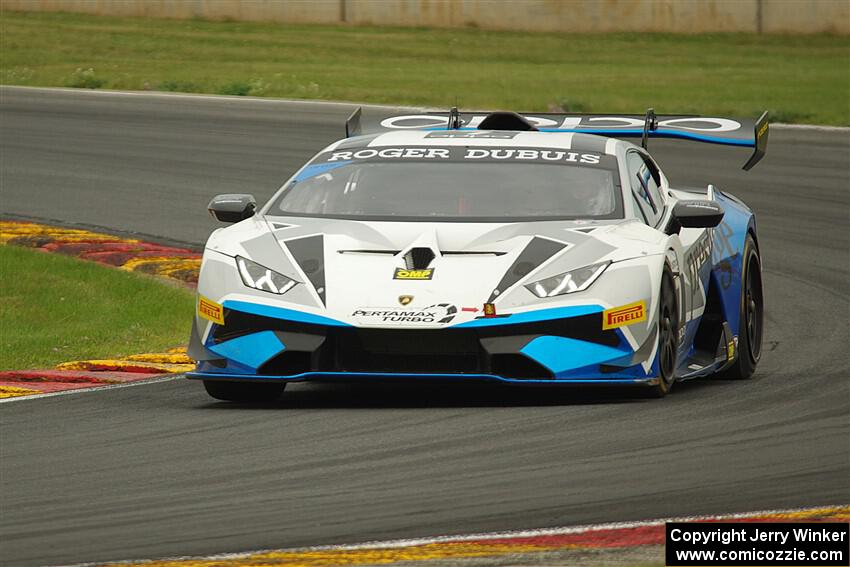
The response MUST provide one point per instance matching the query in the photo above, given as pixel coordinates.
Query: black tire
(751, 327)
(668, 336)
(244, 391)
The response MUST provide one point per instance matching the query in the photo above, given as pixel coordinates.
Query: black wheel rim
(753, 303)
(667, 334)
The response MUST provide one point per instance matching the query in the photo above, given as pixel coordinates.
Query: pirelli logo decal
(402, 274)
(210, 310)
(625, 315)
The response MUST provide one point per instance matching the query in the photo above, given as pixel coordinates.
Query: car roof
(484, 138)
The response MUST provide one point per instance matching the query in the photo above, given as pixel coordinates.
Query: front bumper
(563, 345)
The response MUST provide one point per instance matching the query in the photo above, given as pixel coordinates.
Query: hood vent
(418, 258)
(442, 252)
(387, 252)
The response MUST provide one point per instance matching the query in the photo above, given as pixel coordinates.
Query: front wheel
(252, 392)
(751, 322)
(668, 341)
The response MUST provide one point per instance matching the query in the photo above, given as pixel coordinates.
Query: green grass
(798, 78)
(56, 309)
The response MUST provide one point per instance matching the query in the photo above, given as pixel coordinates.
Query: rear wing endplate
(713, 130)
(352, 125)
(760, 132)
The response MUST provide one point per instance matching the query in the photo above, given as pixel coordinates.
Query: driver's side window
(646, 193)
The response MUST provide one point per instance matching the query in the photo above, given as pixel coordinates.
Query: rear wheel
(751, 325)
(668, 342)
(244, 391)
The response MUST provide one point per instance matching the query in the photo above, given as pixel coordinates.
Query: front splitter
(364, 376)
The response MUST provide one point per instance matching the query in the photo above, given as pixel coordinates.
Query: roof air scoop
(506, 121)
(418, 258)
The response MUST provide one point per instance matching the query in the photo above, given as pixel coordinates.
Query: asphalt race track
(161, 470)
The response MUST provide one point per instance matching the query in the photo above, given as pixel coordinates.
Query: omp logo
(625, 315)
(210, 310)
(402, 274)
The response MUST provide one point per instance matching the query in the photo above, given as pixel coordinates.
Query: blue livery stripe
(318, 169)
(614, 133)
(250, 350)
(562, 354)
(634, 132)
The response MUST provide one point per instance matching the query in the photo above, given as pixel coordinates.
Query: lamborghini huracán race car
(527, 249)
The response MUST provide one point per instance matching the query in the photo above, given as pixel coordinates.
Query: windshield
(451, 186)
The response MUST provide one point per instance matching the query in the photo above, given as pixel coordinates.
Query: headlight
(569, 282)
(259, 277)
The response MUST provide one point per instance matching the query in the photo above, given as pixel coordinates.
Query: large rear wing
(727, 131)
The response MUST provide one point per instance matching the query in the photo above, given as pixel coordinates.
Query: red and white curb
(176, 264)
(508, 545)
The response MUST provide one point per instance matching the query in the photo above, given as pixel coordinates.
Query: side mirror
(232, 208)
(695, 214)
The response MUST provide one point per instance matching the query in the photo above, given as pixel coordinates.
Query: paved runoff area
(164, 471)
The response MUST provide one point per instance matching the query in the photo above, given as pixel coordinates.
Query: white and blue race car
(525, 249)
